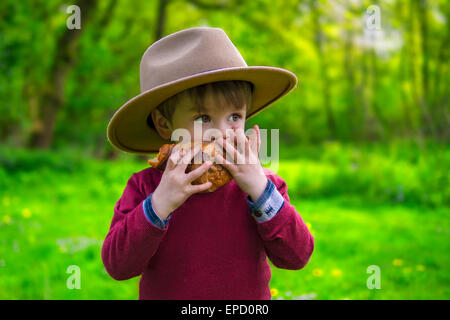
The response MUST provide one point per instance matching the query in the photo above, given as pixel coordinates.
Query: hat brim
(128, 129)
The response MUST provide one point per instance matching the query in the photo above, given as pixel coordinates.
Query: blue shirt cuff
(267, 205)
(151, 215)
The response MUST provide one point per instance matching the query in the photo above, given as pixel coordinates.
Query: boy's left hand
(244, 166)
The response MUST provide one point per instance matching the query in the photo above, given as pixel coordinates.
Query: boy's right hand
(175, 186)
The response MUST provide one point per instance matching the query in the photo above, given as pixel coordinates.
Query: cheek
(239, 125)
(184, 130)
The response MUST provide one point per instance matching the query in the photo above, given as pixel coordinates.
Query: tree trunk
(354, 96)
(408, 125)
(51, 98)
(161, 19)
(382, 123)
(421, 8)
(326, 85)
(438, 98)
(370, 124)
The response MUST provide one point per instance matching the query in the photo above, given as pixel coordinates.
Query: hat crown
(185, 53)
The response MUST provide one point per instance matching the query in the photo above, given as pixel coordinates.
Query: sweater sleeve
(287, 240)
(132, 240)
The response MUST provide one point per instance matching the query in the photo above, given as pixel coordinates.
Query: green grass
(352, 238)
(56, 208)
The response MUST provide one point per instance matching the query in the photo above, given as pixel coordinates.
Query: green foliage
(395, 87)
(395, 173)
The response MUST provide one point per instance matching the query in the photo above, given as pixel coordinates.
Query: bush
(379, 174)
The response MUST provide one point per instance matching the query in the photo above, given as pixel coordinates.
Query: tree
(319, 39)
(51, 94)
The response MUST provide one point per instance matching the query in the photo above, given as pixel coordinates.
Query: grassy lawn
(55, 213)
(409, 245)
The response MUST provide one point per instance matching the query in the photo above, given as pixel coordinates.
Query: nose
(222, 128)
(221, 125)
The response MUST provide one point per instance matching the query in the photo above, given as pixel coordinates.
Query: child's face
(218, 114)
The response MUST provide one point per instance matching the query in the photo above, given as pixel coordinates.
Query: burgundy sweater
(212, 248)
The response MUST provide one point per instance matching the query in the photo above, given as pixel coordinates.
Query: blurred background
(364, 139)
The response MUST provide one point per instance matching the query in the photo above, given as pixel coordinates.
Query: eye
(235, 117)
(203, 118)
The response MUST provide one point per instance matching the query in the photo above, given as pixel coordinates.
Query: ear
(162, 125)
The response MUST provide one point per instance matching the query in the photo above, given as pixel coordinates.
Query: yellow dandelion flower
(317, 272)
(273, 292)
(26, 213)
(6, 201)
(336, 273)
(6, 219)
(397, 262)
(420, 267)
(308, 225)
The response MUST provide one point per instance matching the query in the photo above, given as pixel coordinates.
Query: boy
(186, 244)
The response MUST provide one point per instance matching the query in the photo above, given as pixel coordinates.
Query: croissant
(217, 174)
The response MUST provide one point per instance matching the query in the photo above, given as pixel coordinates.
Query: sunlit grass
(409, 245)
(54, 216)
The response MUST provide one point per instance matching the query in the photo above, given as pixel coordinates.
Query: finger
(173, 159)
(228, 133)
(232, 138)
(249, 153)
(256, 127)
(254, 140)
(224, 162)
(199, 187)
(194, 174)
(188, 157)
(241, 143)
(229, 149)
(236, 156)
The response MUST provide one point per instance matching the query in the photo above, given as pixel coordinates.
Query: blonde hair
(236, 93)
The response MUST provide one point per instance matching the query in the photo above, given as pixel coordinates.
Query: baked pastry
(217, 174)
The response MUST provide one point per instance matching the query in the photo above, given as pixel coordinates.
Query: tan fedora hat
(183, 60)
